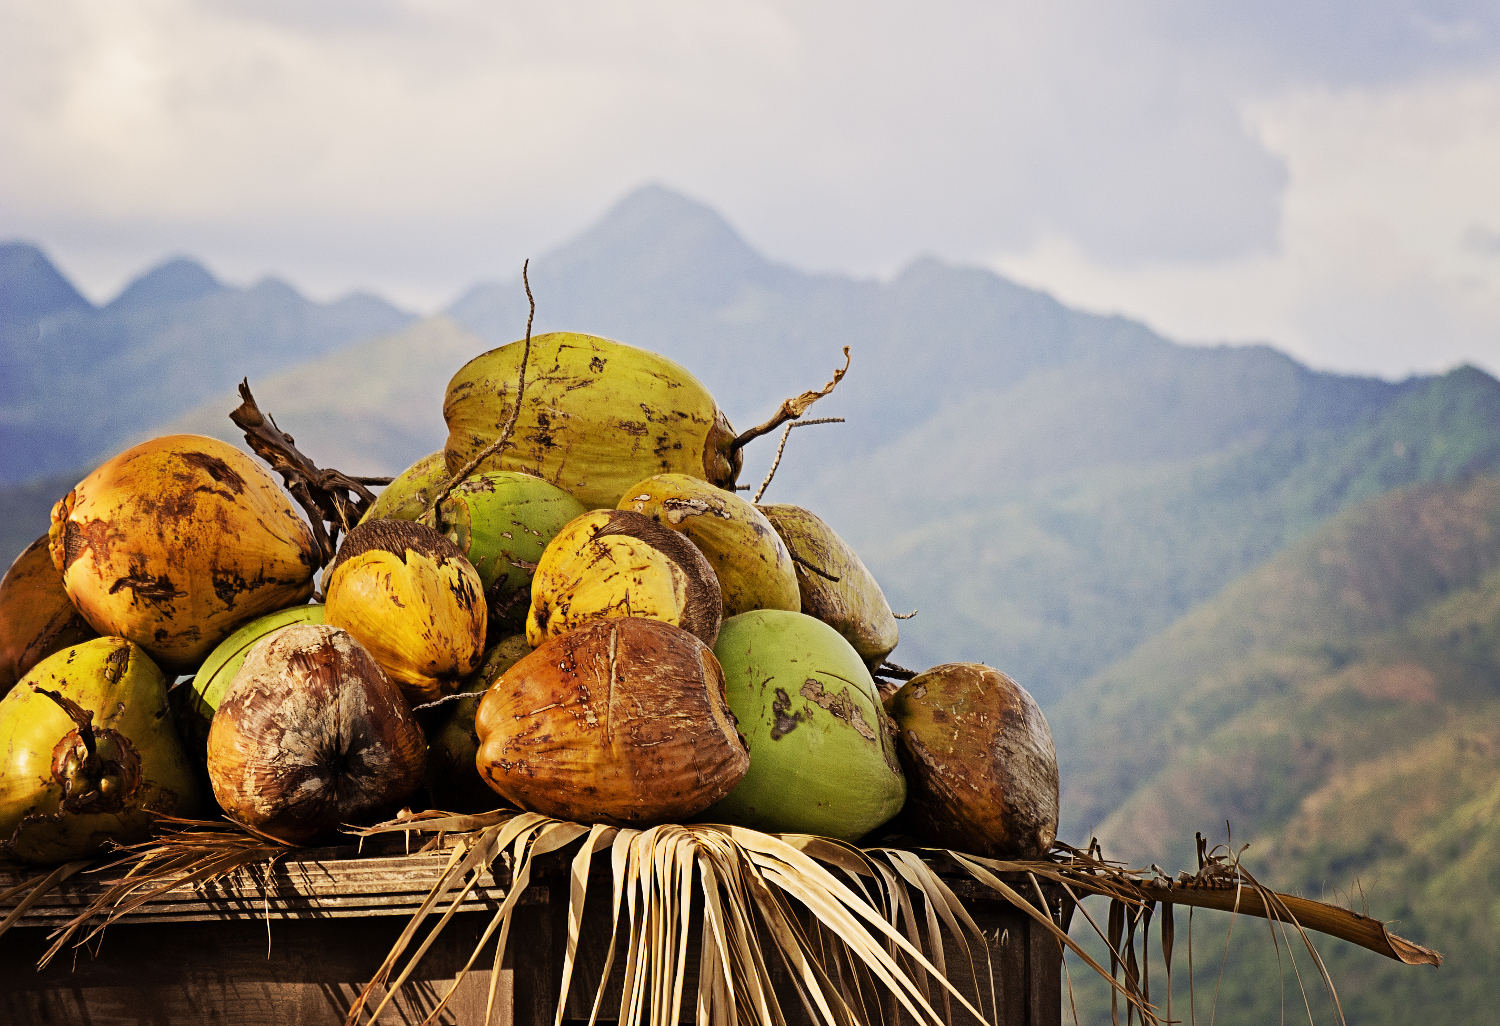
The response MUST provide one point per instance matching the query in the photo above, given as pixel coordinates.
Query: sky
(1318, 175)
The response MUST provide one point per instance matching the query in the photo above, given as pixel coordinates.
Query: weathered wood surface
(295, 943)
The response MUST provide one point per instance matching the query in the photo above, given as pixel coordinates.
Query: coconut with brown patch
(755, 570)
(89, 754)
(311, 736)
(410, 597)
(835, 586)
(618, 563)
(408, 496)
(822, 755)
(622, 721)
(596, 416)
(980, 762)
(178, 541)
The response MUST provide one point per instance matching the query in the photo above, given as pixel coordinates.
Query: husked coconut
(312, 735)
(622, 721)
(980, 762)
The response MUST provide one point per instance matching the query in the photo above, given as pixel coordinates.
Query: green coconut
(90, 754)
(453, 781)
(194, 703)
(822, 753)
(502, 521)
(409, 495)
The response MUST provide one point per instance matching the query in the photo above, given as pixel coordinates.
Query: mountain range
(172, 338)
(1240, 588)
(1340, 706)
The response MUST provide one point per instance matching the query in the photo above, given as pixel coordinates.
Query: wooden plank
(192, 954)
(301, 972)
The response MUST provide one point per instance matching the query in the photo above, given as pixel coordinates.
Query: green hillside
(1340, 706)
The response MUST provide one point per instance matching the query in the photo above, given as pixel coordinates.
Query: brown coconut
(622, 721)
(311, 736)
(36, 616)
(980, 766)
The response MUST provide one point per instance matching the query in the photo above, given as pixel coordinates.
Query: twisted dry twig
(782, 448)
(429, 517)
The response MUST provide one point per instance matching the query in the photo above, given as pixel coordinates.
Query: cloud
(1317, 174)
(845, 135)
(1384, 264)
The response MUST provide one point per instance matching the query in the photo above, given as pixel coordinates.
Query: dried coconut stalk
(329, 496)
(792, 408)
(454, 480)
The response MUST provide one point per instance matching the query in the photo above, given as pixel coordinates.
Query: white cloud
(1179, 163)
(1378, 270)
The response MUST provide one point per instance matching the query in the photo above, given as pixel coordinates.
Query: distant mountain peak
(660, 230)
(179, 280)
(31, 286)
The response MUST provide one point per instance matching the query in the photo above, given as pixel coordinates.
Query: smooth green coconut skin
(408, 496)
(55, 806)
(822, 753)
(501, 521)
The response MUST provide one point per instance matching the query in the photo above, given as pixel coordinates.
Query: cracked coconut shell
(980, 761)
(311, 736)
(175, 543)
(36, 616)
(618, 563)
(853, 604)
(822, 755)
(755, 570)
(621, 721)
(409, 596)
(90, 754)
(596, 417)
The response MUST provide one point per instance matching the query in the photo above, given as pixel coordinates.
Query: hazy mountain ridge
(171, 339)
(1340, 705)
(1100, 478)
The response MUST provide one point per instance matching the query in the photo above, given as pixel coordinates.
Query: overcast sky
(1323, 176)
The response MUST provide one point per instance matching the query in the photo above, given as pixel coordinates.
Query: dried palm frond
(192, 852)
(863, 935)
(857, 953)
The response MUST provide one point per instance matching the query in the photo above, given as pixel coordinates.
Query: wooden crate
(293, 945)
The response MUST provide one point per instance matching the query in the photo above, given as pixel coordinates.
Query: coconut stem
(430, 516)
(83, 719)
(324, 494)
(782, 448)
(792, 408)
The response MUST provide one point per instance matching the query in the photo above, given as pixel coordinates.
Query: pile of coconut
(570, 610)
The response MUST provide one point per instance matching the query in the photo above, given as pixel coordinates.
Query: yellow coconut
(597, 416)
(754, 568)
(618, 563)
(175, 543)
(409, 597)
